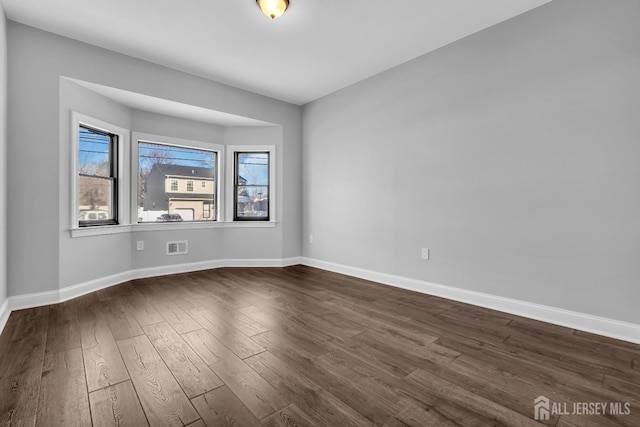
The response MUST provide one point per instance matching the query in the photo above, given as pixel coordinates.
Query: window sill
(250, 224)
(151, 226)
(116, 229)
(100, 230)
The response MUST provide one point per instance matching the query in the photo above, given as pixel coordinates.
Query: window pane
(96, 178)
(166, 190)
(253, 168)
(253, 202)
(95, 199)
(252, 186)
(94, 156)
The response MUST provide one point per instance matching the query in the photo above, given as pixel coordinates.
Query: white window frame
(123, 145)
(230, 173)
(138, 137)
(128, 172)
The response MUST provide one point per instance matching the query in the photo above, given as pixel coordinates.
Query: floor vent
(180, 247)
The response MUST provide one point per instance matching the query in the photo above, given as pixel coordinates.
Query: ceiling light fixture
(273, 8)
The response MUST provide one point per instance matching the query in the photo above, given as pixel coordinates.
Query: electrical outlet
(425, 253)
(311, 238)
(140, 245)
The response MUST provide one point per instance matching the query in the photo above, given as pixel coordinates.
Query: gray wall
(86, 258)
(43, 257)
(265, 242)
(512, 154)
(3, 157)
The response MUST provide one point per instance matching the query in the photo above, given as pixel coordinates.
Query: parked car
(169, 218)
(93, 215)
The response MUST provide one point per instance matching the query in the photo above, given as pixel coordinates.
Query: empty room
(320, 213)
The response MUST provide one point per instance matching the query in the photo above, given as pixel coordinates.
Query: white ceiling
(315, 48)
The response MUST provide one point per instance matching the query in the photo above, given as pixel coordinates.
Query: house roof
(243, 198)
(184, 171)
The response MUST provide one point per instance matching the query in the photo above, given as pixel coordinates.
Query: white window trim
(128, 182)
(124, 219)
(230, 173)
(179, 142)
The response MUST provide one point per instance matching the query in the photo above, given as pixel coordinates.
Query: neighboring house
(185, 190)
(248, 206)
(243, 200)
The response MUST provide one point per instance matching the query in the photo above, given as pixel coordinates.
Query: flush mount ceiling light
(273, 8)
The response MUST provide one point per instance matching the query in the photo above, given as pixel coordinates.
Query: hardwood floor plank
(489, 410)
(494, 383)
(123, 324)
(176, 317)
(600, 339)
(240, 321)
(185, 300)
(495, 334)
(194, 376)
(117, 406)
(141, 308)
(21, 367)
(578, 360)
(414, 353)
(161, 397)
(102, 361)
(297, 345)
(237, 342)
(288, 349)
(413, 415)
(313, 317)
(62, 330)
(63, 392)
(252, 390)
(288, 417)
(629, 389)
(350, 386)
(369, 398)
(576, 351)
(287, 328)
(7, 335)
(123, 289)
(221, 407)
(547, 376)
(320, 405)
(233, 297)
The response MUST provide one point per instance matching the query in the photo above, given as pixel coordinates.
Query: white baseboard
(584, 322)
(4, 314)
(20, 302)
(571, 319)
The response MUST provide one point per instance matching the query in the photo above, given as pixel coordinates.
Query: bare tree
(94, 185)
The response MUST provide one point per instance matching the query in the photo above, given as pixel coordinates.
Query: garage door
(186, 214)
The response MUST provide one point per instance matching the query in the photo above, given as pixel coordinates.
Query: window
(251, 186)
(98, 161)
(97, 179)
(164, 180)
(166, 176)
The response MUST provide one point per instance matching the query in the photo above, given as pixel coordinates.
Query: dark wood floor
(297, 346)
